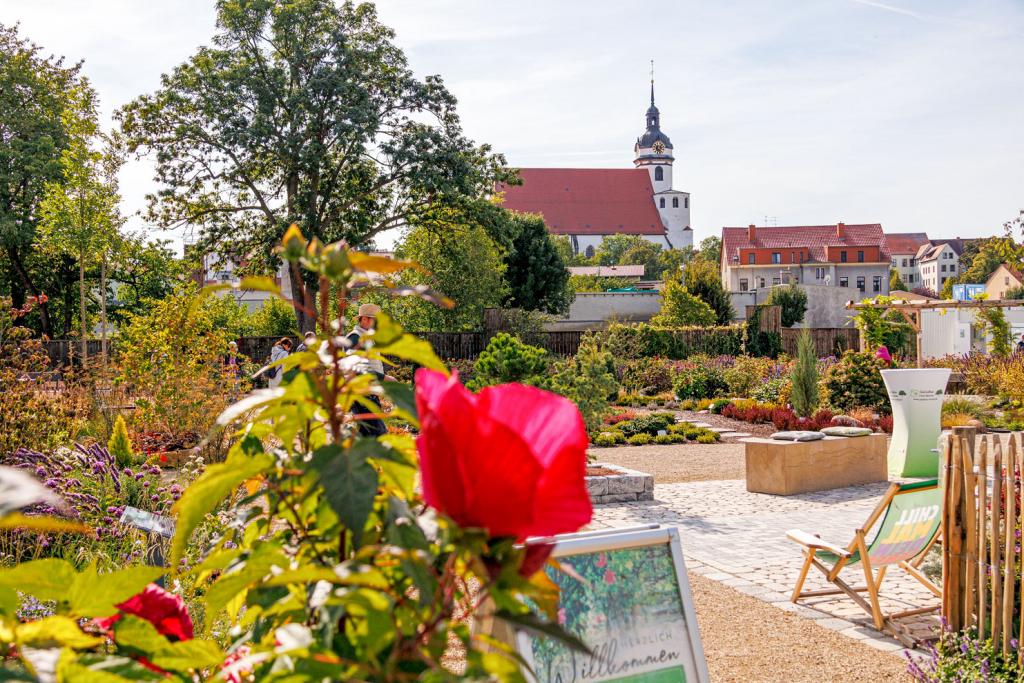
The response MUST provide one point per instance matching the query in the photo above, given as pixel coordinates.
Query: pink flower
(609, 577)
(883, 354)
(602, 560)
(561, 616)
(510, 459)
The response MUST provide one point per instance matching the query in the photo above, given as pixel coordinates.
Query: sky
(908, 113)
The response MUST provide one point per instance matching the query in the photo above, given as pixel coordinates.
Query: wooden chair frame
(873, 578)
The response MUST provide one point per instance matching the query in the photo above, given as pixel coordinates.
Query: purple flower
(50, 483)
(128, 471)
(154, 498)
(145, 484)
(40, 471)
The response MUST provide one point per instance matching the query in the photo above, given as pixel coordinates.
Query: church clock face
(659, 147)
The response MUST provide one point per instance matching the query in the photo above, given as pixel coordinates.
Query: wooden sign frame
(601, 665)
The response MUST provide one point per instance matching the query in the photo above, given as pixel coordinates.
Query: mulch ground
(678, 462)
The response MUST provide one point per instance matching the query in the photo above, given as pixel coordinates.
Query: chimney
(751, 232)
(841, 230)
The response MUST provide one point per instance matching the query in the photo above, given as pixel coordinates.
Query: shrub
(757, 342)
(963, 406)
(716, 406)
(646, 424)
(856, 382)
(879, 327)
(606, 439)
(676, 343)
(709, 437)
(587, 379)
(962, 657)
(700, 382)
(680, 308)
(950, 420)
(786, 419)
(648, 376)
(773, 390)
(792, 301)
(120, 446)
(747, 373)
(506, 359)
(756, 413)
(666, 438)
(619, 417)
(639, 439)
(804, 396)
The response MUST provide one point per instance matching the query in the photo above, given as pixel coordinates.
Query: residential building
(636, 272)
(589, 204)
(938, 262)
(1001, 280)
(903, 248)
(840, 255)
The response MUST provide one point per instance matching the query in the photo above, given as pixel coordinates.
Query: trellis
(911, 312)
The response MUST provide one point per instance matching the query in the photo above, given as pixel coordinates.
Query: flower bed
(629, 429)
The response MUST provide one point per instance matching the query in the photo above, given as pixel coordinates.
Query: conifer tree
(805, 376)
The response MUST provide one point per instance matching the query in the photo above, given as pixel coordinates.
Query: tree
(793, 302)
(704, 281)
(613, 247)
(79, 214)
(679, 308)
(463, 264)
(35, 114)
(535, 270)
(710, 249)
(302, 112)
(896, 283)
(646, 254)
(142, 271)
(804, 396)
(1015, 293)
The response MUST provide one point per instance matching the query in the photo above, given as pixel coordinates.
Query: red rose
(510, 459)
(166, 611)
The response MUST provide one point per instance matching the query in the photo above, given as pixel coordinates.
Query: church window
(675, 202)
(590, 252)
(661, 203)
(659, 174)
(686, 202)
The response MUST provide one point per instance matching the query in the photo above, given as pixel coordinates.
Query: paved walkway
(738, 538)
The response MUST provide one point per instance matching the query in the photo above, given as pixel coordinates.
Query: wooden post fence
(981, 586)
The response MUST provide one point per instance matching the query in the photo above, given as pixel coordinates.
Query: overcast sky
(907, 113)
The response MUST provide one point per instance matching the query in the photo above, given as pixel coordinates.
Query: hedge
(677, 343)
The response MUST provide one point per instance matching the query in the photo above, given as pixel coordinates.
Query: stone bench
(625, 486)
(785, 468)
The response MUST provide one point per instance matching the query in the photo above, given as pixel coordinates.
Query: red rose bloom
(511, 459)
(166, 611)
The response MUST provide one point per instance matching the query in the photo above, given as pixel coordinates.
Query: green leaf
(47, 579)
(97, 595)
(189, 655)
(208, 491)
(46, 524)
(54, 631)
(402, 395)
(8, 601)
(534, 625)
(411, 348)
(255, 567)
(252, 283)
(350, 483)
(139, 635)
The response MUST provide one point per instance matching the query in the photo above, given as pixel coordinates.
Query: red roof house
(802, 243)
(587, 201)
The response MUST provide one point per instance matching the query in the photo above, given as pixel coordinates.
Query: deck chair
(910, 516)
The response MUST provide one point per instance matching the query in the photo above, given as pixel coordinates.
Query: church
(588, 204)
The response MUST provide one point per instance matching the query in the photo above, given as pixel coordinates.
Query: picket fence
(981, 581)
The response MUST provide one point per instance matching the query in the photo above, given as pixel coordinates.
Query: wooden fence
(981, 582)
(828, 341)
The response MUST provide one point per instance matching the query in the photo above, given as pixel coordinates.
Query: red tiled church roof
(905, 242)
(587, 201)
(813, 237)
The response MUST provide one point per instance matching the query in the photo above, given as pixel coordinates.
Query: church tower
(654, 152)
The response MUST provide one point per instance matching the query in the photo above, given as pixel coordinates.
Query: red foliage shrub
(620, 417)
(885, 424)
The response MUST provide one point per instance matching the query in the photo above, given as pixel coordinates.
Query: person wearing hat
(366, 322)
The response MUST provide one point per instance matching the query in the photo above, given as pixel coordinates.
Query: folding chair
(911, 519)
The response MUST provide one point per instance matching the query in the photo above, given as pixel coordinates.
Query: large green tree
(704, 281)
(680, 308)
(142, 271)
(36, 114)
(613, 247)
(302, 111)
(534, 268)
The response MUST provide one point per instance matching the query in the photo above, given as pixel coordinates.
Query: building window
(686, 202)
(904, 263)
(860, 257)
(844, 282)
(662, 202)
(860, 283)
(743, 284)
(910, 278)
(944, 280)
(842, 257)
(819, 273)
(876, 284)
(761, 285)
(589, 252)
(776, 281)
(659, 173)
(776, 257)
(675, 202)
(1006, 281)
(751, 258)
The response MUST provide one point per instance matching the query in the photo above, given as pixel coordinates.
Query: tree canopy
(704, 281)
(681, 308)
(307, 113)
(535, 270)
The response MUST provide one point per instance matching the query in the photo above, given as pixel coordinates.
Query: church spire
(653, 115)
(652, 83)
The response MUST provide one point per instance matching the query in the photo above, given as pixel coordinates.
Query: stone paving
(739, 538)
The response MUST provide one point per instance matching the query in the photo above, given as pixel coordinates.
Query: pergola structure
(911, 310)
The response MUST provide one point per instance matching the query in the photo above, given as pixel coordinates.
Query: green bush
(709, 437)
(587, 379)
(506, 359)
(717, 405)
(701, 382)
(609, 439)
(681, 428)
(856, 382)
(758, 343)
(646, 424)
(804, 396)
(120, 446)
(679, 307)
(772, 390)
(746, 374)
(664, 438)
(792, 301)
(675, 343)
(647, 376)
(640, 439)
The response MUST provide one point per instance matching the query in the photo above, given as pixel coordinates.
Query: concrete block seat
(785, 468)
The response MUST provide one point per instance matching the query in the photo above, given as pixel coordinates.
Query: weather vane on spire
(652, 82)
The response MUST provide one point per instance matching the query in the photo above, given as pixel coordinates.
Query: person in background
(1020, 344)
(233, 368)
(307, 341)
(282, 347)
(366, 322)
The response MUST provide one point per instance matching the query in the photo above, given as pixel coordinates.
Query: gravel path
(763, 429)
(679, 462)
(746, 640)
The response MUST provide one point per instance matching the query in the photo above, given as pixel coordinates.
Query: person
(366, 322)
(307, 341)
(232, 368)
(1020, 344)
(282, 347)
